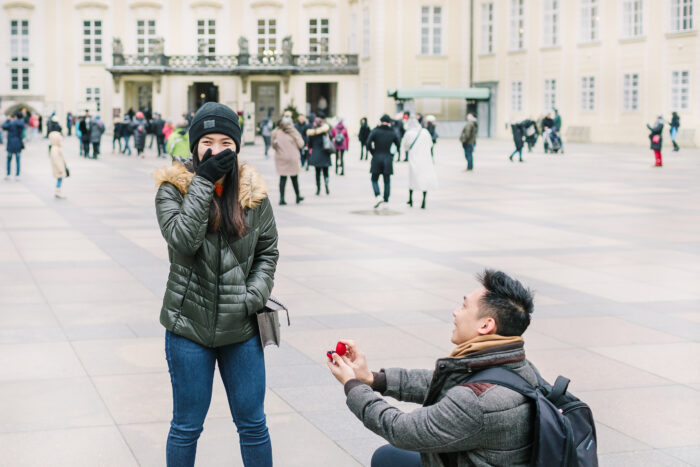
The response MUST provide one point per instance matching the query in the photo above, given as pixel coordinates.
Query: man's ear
(488, 326)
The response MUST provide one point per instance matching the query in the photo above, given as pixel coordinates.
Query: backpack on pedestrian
(339, 139)
(564, 431)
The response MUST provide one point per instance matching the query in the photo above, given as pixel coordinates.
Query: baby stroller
(552, 141)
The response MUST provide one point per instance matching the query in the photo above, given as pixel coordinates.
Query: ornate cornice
(79, 5)
(207, 4)
(328, 3)
(26, 5)
(264, 3)
(146, 4)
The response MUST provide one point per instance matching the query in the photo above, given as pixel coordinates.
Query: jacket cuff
(379, 383)
(351, 384)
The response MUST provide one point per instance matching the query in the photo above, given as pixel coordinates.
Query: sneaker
(17, 178)
(378, 201)
(7, 177)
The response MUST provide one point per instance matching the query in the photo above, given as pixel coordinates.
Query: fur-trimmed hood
(252, 188)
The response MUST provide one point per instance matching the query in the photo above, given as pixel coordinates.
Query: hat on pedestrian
(213, 117)
(385, 119)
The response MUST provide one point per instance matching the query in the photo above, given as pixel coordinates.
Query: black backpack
(564, 432)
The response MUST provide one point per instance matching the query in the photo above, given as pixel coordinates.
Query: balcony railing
(242, 63)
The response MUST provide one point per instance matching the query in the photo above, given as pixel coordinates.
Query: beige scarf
(483, 342)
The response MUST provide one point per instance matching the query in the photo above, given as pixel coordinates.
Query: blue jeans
(674, 133)
(389, 456)
(9, 162)
(59, 181)
(387, 185)
(126, 144)
(242, 369)
(468, 152)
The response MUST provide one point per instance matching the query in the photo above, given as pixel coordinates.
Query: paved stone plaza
(611, 246)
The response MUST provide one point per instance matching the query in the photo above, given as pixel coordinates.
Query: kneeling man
(460, 423)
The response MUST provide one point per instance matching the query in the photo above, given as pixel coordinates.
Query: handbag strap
(416, 139)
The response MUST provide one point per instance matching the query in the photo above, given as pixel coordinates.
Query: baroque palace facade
(609, 66)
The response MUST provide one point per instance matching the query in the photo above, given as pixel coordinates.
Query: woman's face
(217, 142)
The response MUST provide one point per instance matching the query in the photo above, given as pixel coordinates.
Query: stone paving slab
(610, 245)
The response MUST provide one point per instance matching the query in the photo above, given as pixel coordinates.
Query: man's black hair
(507, 301)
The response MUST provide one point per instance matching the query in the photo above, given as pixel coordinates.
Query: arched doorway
(13, 109)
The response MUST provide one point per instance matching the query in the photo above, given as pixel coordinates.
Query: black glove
(214, 167)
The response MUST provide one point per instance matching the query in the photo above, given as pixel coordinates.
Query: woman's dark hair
(507, 301)
(225, 212)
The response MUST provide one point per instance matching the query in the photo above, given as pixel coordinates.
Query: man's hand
(340, 369)
(355, 359)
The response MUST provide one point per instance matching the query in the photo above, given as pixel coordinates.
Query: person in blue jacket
(15, 128)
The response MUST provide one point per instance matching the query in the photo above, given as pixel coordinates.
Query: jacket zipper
(216, 296)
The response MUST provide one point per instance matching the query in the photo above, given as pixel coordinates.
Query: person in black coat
(379, 144)
(673, 129)
(301, 126)
(85, 127)
(157, 125)
(362, 136)
(117, 135)
(656, 139)
(319, 156)
(518, 133)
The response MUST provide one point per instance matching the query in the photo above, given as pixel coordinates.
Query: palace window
(365, 32)
(206, 34)
(516, 96)
(680, 90)
(550, 94)
(517, 24)
(94, 95)
(319, 35)
(92, 41)
(590, 11)
(19, 79)
(431, 30)
(588, 93)
(550, 34)
(487, 28)
(267, 35)
(145, 36)
(632, 18)
(630, 92)
(19, 40)
(681, 15)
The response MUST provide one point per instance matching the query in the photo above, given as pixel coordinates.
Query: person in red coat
(339, 136)
(656, 139)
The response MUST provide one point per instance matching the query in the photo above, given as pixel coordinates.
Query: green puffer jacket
(217, 283)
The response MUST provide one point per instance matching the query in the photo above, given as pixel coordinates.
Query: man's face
(467, 324)
(301, 119)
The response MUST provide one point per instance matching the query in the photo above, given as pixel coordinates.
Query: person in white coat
(416, 143)
(58, 163)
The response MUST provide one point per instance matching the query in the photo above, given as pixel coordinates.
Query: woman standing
(320, 157)
(675, 124)
(656, 139)
(339, 135)
(222, 245)
(139, 127)
(362, 136)
(286, 141)
(421, 175)
(58, 163)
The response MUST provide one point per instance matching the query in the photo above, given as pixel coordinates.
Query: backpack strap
(506, 378)
(558, 390)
